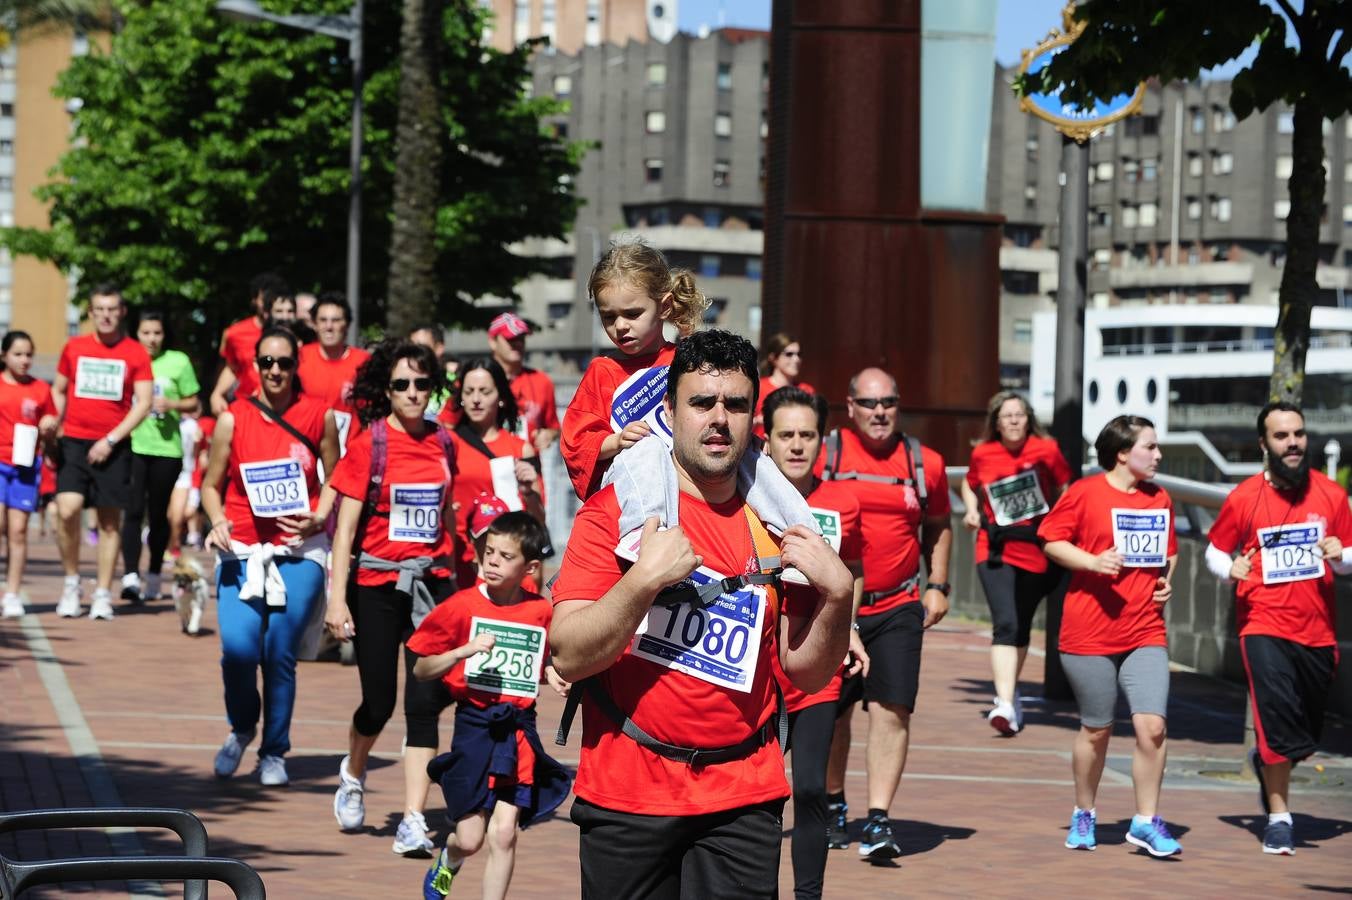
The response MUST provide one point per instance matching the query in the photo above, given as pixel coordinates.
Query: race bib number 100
(1017, 498)
(1291, 552)
(415, 513)
(639, 399)
(275, 488)
(719, 643)
(514, 664)
(100, 379)
(1141, 536)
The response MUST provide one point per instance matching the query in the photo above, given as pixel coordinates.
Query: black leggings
(810, 731)
(152, 481)
(1013, 595)
(382, 617)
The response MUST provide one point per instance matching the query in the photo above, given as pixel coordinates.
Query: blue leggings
(253, 633)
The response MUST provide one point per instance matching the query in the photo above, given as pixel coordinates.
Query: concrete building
(570, 25)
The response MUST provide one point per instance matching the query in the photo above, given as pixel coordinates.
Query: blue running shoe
(437, 882)
(1278, 839)
(1081, 833)
(1154, 838)
(877, 841)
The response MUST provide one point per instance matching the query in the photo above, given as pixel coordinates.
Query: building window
(1023, 331)
(1030, 147)
(1222, 163)
(1149, 169)
(563, 85)
(1347, 215)
(1104, 171)
(1222, 119)
(1143, 126)
(1220, 209)
(722, 125)
(1347, 171)
(714, 314)
(559, 311)
(561, 131)
(713, 217)
(765, 125)
(657, 74)
(1101, 216)
(1281, 209)
(1030, 195)
(1194, 208)
(1195, 165)
(521, 21)
(709, 265)
(722, 173)
(1286, 123)
(1198, 119)
(724, 78)
(1148, 214)
(6, 148)
(655, 122)
(1103, 258)
(753, 267)
(1130, 215)
(652, 170)
(7, 110)
(6, 183)
(1130, 170)
(1283, 166)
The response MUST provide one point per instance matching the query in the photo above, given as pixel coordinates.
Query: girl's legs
(163, 472)
(1086, 762)
(380, 617)
(18, 548)
(1147, 762)
(1094, 682)
(1145, 681)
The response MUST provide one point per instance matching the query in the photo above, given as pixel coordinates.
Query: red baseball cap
(508, 325)
(487, 507)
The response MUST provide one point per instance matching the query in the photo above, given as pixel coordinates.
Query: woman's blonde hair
(993, 415)
(644, 267)
(774, 345)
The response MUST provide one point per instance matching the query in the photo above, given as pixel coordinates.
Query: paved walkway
(130, 711)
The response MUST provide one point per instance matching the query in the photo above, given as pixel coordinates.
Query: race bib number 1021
(1291, 552)
(1141, 536)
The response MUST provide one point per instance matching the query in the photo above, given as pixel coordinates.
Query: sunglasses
(875, 402)
(401, 384)
(285, 363)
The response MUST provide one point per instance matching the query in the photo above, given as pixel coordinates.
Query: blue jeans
(253, 633)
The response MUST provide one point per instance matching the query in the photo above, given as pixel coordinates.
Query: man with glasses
(328, 367)
(903, 498)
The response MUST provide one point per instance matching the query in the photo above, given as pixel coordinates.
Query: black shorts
(102, 486)
(1013, 595)
(1289, 684)
(893, 640)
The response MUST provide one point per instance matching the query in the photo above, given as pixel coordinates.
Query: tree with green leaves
(1299, 61)
(206, 150)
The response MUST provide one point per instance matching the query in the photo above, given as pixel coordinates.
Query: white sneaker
(349, 801)
(154, 586)
(11, 607)
(68, 607)
(228, 757)
(272, 771)
(101, 607)
(131, 587)
(1004, 719)
(411, 838)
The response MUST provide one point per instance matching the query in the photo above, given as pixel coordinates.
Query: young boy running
(488, 644)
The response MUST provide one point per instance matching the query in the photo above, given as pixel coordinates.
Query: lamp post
(344, 28)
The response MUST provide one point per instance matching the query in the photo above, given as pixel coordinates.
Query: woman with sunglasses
(483, 436)
(403, 565)
(1015, 475)
(781, 359)
(267, 524)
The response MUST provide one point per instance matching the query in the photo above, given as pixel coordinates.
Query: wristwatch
(111, 443)
(942, 587)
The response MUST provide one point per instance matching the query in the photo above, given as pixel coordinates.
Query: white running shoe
(131, 587)
(272, 771)
(101, 607)
(411, 838)
(68, 607)
(11, 607)
(228, 757)
(1004, 719)
(349, 801)
(154, 586)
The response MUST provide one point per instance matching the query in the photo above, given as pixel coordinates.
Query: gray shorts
(1143, 675)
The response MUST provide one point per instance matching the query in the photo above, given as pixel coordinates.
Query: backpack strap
(832, 455)
(915, 458)
(830, 470)
(380, 448)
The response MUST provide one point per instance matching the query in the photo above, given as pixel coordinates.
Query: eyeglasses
(401, 384)
(875, 402)
(285, 363)
(1011, 417)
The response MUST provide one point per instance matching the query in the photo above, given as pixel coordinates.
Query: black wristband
(942, 587)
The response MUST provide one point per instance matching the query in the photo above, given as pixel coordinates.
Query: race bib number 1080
(718, 643)
(1141, 536)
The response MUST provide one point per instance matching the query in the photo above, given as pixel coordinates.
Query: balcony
(1219, 274)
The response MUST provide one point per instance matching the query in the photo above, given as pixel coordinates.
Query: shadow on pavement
(1307, 829)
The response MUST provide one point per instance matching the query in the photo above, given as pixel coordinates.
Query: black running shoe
(877, 842)
(837, 835)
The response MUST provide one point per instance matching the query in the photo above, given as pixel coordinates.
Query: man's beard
(1297, 476)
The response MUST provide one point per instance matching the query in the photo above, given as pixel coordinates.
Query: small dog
(190, 592)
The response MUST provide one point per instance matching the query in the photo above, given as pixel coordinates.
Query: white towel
(261, 577)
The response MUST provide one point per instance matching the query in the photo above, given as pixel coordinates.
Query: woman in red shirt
(27, 415)
(395, 489)
(780, 362)
(487, 417)
(1015, 475)
(261, 495)
(1115, 533)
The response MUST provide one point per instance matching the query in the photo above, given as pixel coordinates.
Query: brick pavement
(975, 813)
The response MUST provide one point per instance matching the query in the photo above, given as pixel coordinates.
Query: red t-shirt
(237, 349)
(586, 422)
(890, 515)
(1103, 615)
(614, 771)
(1301, 611)
(206, 427)
(448, 626)
(993, 462)
(26, 403)
(536, 409)
(768, 387)
(417, 467)
(473, 475)
(259, 439)
(99, 392)
(834, 497)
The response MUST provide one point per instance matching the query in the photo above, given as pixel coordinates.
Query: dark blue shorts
(19, 486)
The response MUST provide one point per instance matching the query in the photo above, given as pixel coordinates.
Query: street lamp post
(344, 28)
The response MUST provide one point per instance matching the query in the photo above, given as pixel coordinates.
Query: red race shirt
(416, 469)
(890, 515)
(672, 706)
(586, 422)
(448, 627)
(100, 380)
(206, 427)
(237, 349)
(994, 464)
(23, 403)
(829, 496)
(330, 382)
(768, 387)
(258, 439)
(472, 475)
(536, 409)
(1300, 611)
(1103, 615)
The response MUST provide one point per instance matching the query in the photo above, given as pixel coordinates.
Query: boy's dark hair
(332, 298)
(793, 396)
(714, 350)
(1276, 406)
(1118, 435)
(522, 527)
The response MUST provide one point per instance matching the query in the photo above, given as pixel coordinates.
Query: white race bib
(275, 487)
(828, 520)
(415, 513)
(100, 379)
(1141, 536)
(1017, 498)
(1291, 552)
(344, 422)
(514, 664)
(503, 470)
(719, 643)
(639, 399)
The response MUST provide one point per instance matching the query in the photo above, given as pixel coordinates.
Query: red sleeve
(442, 630)
(590, 566)
(1060, 523)
(352, 475)
(64, 365)
(140, 365)
(936, 483)
(586, 424)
